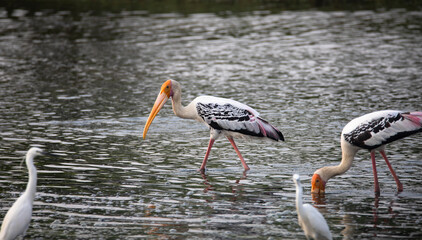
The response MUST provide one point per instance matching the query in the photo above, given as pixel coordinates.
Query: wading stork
(223, 117)
(372, 132)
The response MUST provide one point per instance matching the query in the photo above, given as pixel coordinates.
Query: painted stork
(309, 218)
(17, 219)
(223, 116)
(372, 132)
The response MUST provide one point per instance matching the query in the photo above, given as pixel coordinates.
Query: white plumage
(222, 101)
(309, 218)
(379, 128)
(17, 219)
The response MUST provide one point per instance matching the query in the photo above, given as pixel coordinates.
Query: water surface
(81, 85)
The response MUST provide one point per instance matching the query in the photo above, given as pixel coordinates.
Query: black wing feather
(231, 118)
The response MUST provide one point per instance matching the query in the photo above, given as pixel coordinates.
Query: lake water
(82, 84)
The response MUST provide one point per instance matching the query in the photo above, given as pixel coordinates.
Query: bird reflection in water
(377, 209)
(158, 227)
(236, 189)
(383, 213)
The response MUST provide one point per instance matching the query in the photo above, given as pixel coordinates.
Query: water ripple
(82, 87)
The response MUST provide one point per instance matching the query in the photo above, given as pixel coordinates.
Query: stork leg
(399, 185)
(374, 169)
(204, 163)
(238, 153)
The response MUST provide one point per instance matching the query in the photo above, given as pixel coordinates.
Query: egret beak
(42, 153)
(318, 185)
(49, 154)
(162, 98)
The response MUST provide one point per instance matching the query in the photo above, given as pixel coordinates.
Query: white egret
(310, 219)
(17, 219)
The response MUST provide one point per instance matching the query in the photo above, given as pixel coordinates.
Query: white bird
(223, 116)
(372, 132)
(17, 219)
(310, 219)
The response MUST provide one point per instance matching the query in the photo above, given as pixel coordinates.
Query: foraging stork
(309, 218)
(372, 132)
(223, 116)
(17, 219)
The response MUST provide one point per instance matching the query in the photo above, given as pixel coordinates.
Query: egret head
(35, 151)
(32, 153)
(165, 93)
(296, 178)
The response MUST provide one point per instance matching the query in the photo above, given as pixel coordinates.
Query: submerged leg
(374, 169)
(238, 153)
(399, 185)
(204, 163)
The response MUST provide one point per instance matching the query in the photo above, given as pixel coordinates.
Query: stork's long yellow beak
(162, 98)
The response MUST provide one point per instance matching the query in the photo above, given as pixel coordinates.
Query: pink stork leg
(399, 185)
(204, 163)
(238, 153)
(374, 169)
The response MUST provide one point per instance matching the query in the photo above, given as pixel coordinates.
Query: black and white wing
(229, 115)
(375, 129)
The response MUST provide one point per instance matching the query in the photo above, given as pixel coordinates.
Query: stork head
(165, 93)
(318, 183)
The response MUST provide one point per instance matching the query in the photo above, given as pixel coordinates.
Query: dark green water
(81, 83)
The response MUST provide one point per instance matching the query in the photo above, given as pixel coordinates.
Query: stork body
(223, 116)
(309, 218)
(371, 132)
(17, 219)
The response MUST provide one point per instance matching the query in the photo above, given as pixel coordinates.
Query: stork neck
(348, 154)
(32, 178)
(178, 109)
